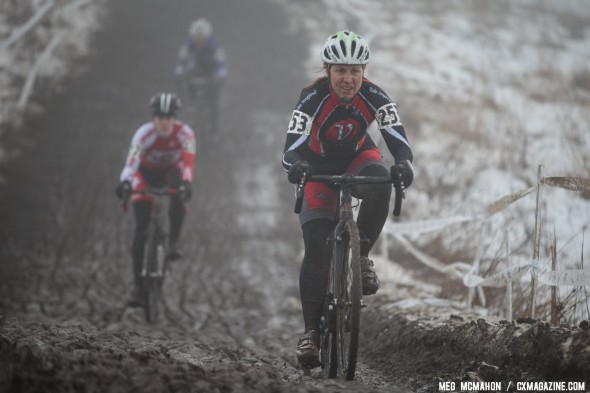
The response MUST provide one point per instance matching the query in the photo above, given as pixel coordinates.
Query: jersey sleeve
(298, 132)
(300, 127)
(219, 58)
(188, 143)
(134, 155)
(389, 124)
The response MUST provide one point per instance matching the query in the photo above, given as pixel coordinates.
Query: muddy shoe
(308, 350)
(134, 299)
(174, 252)
(369, 277)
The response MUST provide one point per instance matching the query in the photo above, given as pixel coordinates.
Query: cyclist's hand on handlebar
(406, 171)
(297, 171)
(184, 191)
(123, 190)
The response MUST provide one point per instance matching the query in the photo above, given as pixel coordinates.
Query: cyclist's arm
(397, 143)
(389, 123)
(219, 58)
(183, 57)
(298, 133)
(187, 140)
(135, 153)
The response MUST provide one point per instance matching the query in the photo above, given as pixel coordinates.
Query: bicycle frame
(155, 258)
(341, 320)
(201, 88)
(155, 262)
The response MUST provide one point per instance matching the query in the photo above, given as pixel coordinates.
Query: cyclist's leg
(142, 211)
(372, 213)
(375, 197)
(214, 94)
(317, 221)
(313, 277)
(176, 214)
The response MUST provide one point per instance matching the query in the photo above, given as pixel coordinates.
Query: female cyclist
(328, 135)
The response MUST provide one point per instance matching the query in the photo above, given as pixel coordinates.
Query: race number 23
(300, 123)
(387, 116)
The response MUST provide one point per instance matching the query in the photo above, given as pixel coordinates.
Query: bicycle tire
(329, 353)
(204, 114)
(349, 295)
(153, 277)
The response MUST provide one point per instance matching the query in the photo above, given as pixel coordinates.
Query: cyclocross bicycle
(340, 322)
(201, 88)
(155, 259)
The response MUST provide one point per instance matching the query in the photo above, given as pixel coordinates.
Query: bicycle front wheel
(328, 349)
(153, 274)
(348, 298)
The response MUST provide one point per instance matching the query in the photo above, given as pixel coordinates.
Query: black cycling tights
(142, 218)
(313, 277)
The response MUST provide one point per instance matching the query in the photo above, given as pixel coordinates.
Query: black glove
(297, 171)
(184, 191)
(407, 172)
(123, 190)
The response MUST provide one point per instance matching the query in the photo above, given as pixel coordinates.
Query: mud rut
(231, 316)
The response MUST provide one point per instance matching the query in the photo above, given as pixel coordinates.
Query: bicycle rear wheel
(204, 114)
(153, 274)
(348, 296)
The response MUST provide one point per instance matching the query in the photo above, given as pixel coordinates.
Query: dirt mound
(424, 345)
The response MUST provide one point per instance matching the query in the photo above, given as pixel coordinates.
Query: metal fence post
(508, 282)
(537, 241)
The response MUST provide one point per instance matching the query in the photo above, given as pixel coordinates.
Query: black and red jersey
(323, 130)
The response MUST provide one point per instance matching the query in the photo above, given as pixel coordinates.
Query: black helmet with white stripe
(165, 104)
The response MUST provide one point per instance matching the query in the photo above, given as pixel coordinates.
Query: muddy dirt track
(231, 316)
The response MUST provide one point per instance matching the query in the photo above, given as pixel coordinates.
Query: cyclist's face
(346, 80)
(164, 125)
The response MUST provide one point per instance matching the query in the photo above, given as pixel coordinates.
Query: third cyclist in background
(201, 55)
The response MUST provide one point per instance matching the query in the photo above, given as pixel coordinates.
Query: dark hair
(316, 82)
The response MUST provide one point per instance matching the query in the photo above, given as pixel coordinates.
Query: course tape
(502, 203)
(419, 227)
(464, 271)
(498, 279)
(563, 278)
(457, 269)
(568, 183)
(558, 278)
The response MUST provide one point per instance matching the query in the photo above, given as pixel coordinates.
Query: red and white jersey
(156, 153)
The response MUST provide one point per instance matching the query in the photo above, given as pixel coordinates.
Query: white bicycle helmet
(346, 47)
(200, 29)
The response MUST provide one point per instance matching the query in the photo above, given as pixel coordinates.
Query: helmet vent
(343, 47)
(353, 47)
(335, 50)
